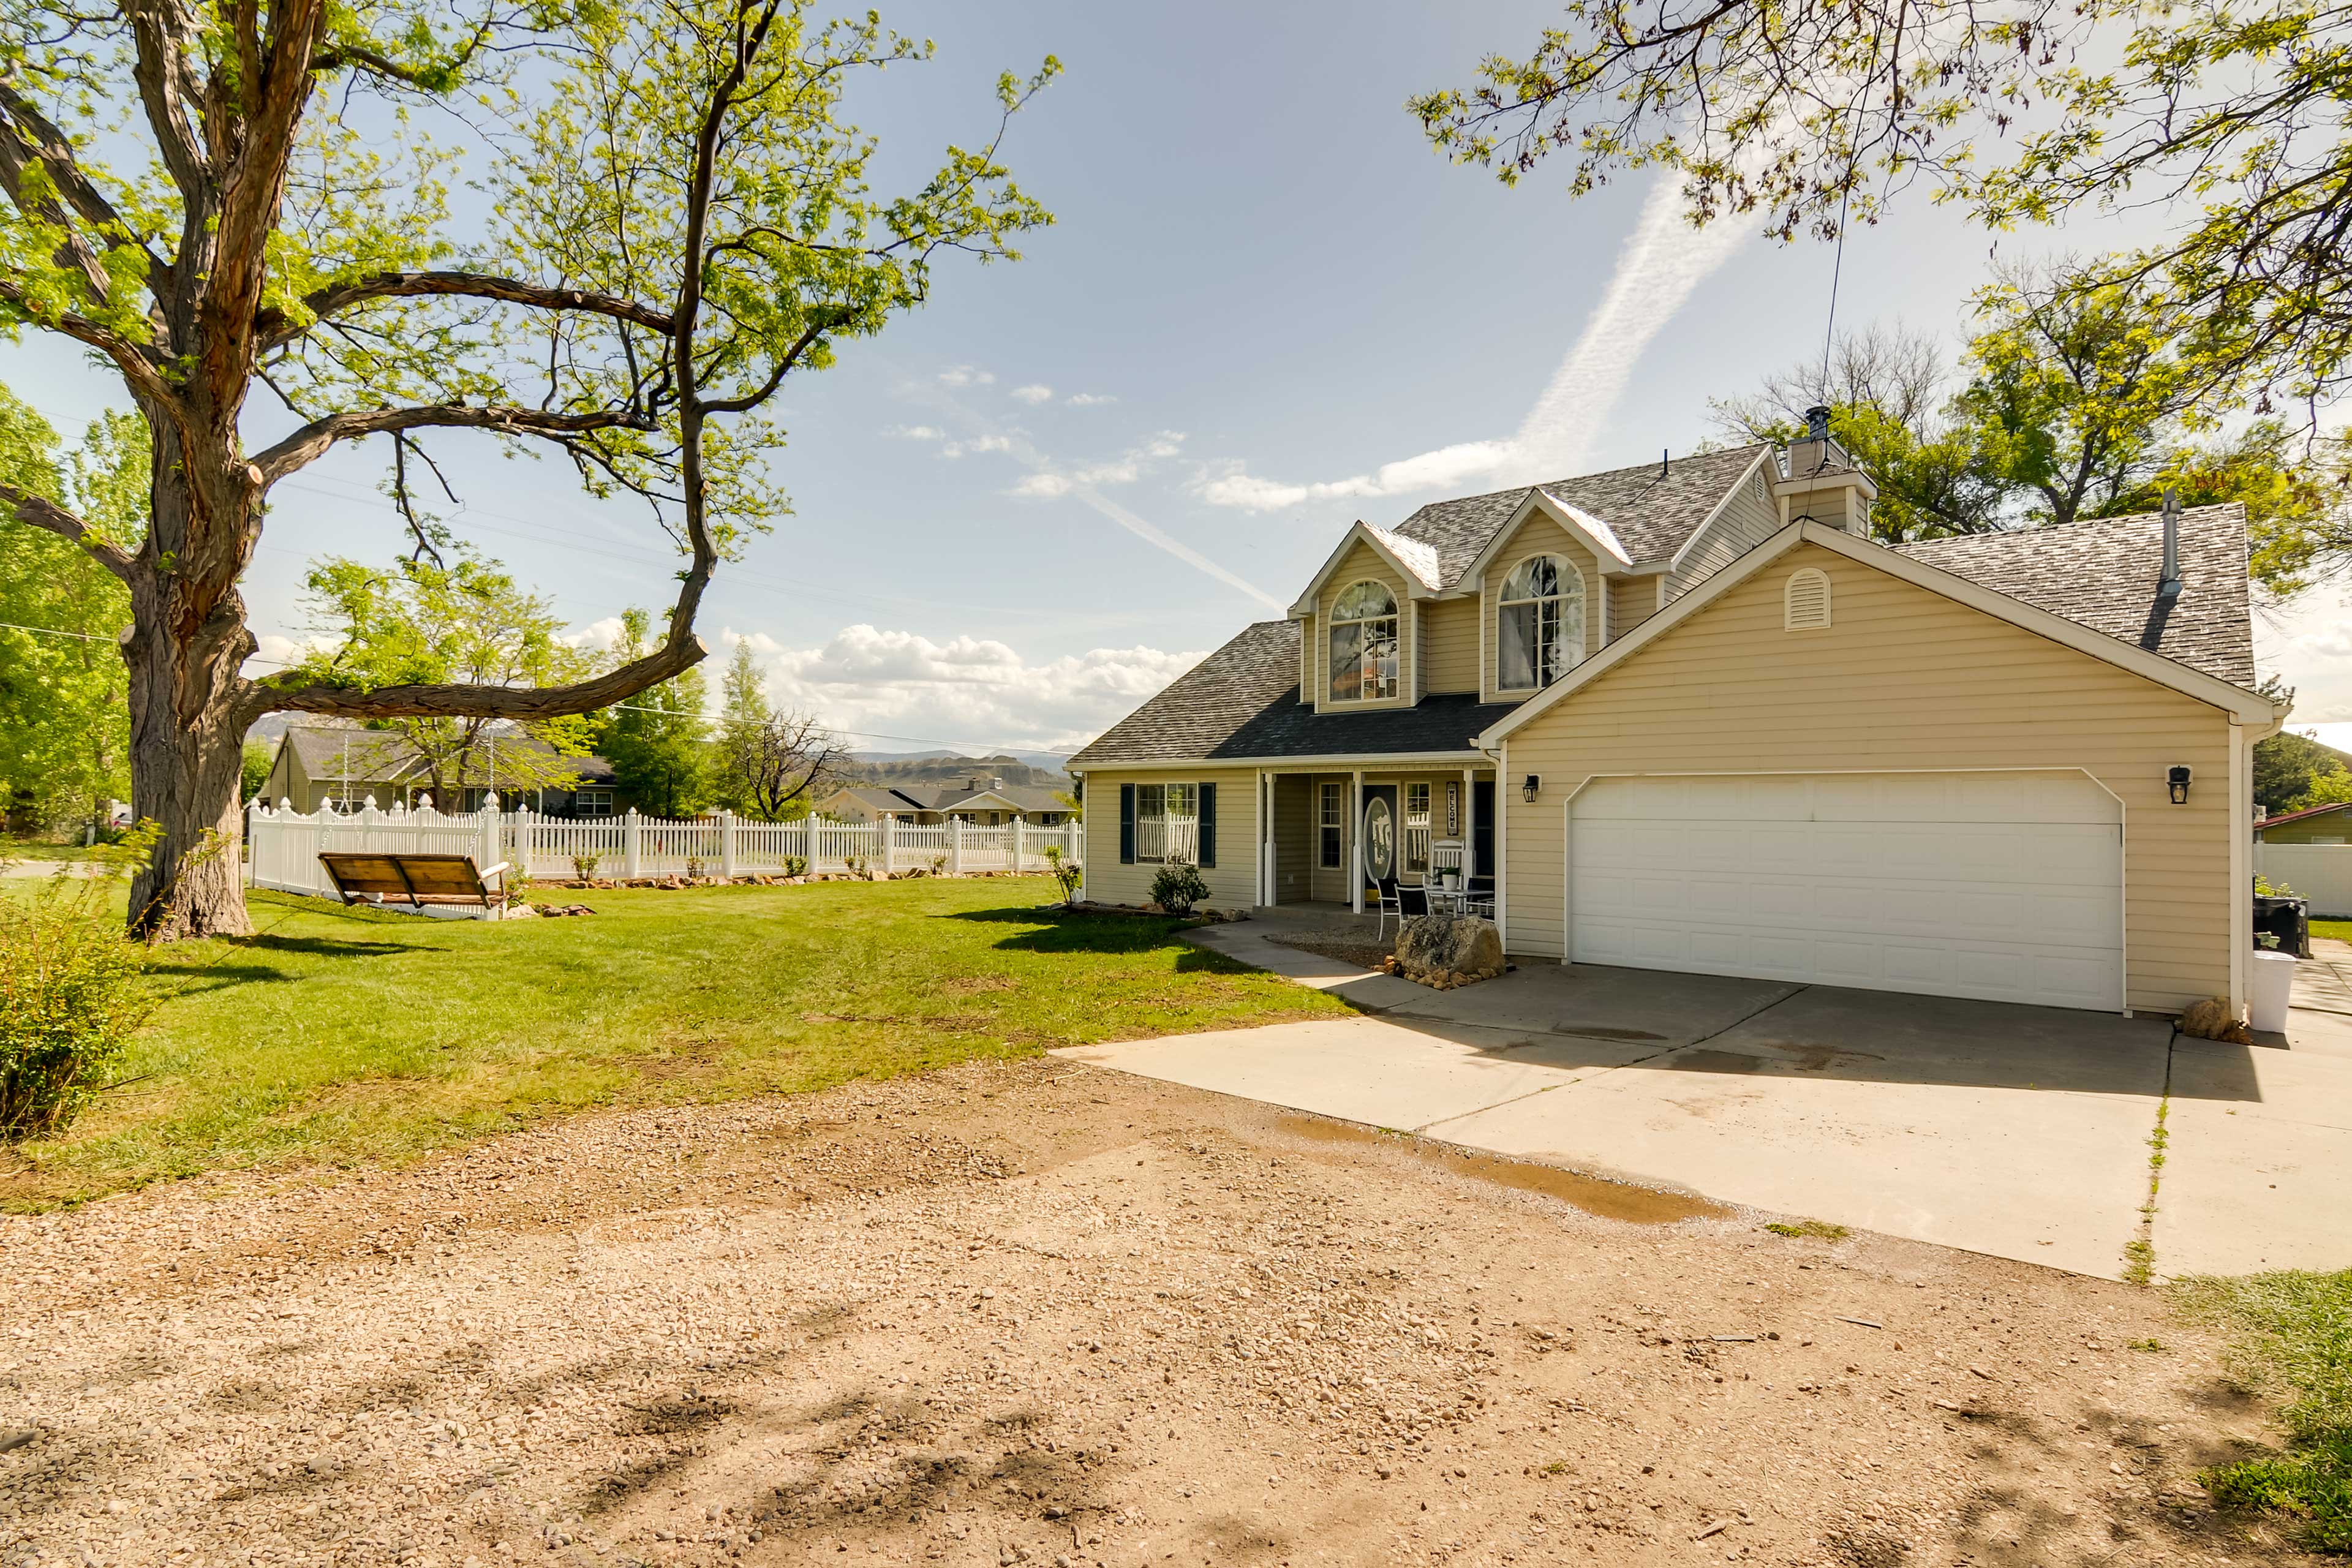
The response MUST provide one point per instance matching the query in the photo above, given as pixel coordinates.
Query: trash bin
(2269, 986)
(2286, 920)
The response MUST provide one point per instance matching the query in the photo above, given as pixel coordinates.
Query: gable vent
(1805, 602)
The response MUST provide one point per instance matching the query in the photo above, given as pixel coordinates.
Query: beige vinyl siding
(2333, 829)
(1294, 838)
(1233, 881)
(1451, 627)
(1903, 679)
(1632, 601)
(1362, 562)
(1538, 535)
(1750, 515)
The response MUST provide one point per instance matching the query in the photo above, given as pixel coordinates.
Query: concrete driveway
(2020, 1131)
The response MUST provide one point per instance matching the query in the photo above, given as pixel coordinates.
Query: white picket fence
(284, 844)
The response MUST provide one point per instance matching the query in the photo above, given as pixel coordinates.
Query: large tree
(230, 202)
(1812, 114)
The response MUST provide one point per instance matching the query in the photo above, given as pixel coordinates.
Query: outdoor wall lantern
(1528, 789)
(2176, 781)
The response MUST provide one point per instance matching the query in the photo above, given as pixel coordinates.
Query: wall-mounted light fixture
(1528, 789)
(2176, 779)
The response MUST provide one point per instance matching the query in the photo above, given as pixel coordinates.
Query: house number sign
(1454, 810)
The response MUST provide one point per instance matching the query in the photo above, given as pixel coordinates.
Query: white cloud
(1088, 399)
(974, 691)
(965, 375)
(603, 636)
(917, 432)
(1049, 482)
(976, 444)
(1663, 262)
(1033, 394)
(272, 653)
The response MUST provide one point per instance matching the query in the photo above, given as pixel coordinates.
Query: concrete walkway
(2020, 1131)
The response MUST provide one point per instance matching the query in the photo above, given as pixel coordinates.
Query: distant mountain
(942, 767)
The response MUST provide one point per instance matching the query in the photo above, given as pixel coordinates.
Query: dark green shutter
(1126, 824)
(1208, 826)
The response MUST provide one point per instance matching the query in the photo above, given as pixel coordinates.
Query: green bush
(1067, 871)
(1178, 887)
(70, 1000)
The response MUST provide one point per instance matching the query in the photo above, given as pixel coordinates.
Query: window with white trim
(1539, 624)
(1168, 823)
(1416, 827)
(1805, 601)
(1328, 827)
(1363, 643)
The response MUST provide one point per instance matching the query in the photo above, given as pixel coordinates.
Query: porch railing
(1168, 838)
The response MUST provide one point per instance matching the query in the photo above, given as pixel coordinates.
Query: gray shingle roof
(2103, 574)
(1241, 702)
(1650, 515)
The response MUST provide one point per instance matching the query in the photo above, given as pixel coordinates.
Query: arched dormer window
(1363, 643)
(1805, 601)
(1539, 624)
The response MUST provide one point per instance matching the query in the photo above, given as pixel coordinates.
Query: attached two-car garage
(2003, 885)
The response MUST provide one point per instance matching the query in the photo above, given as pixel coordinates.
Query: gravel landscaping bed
(1039, 1313)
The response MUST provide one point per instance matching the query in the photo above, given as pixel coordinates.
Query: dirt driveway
(1050, 1314)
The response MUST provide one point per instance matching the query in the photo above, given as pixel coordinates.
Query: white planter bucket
(2270, 986)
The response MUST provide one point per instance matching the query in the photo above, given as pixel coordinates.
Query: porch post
(1265, 840)
(1355, 831)
(1470, 824)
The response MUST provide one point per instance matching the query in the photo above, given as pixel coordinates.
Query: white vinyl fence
(284, 844)
(2320, 872)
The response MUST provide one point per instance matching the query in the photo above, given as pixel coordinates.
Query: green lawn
(336, 1037)
(47, 849)
(2340, 929)
(2292, 1339)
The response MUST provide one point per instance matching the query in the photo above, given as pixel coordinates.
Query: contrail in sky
(1661, 263)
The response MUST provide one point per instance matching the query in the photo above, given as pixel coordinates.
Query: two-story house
(1689, 716)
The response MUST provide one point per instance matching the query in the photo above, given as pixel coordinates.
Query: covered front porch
(1329, 835)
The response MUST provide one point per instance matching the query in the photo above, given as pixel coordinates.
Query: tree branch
(311, 443)
(132, 360)
(40, 511)
(322, 303)
(673, 658)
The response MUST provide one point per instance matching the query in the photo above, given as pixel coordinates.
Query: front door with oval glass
(1380, 832)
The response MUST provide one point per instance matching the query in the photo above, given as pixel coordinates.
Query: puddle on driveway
(1594, 1194)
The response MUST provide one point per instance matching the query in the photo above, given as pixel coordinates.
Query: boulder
(1446, 950)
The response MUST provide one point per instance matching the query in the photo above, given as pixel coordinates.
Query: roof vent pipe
(2169, 587)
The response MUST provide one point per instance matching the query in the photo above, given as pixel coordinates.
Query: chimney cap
(1817, 422)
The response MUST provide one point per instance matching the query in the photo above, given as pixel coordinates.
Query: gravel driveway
(1043, 1313)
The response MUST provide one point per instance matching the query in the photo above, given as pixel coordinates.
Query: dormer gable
(1414, 562)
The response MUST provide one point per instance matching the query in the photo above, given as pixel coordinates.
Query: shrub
(1067, 871)
(694, 868)
(1178, 887)
(583, 866)
(70, 995)
(795, 865)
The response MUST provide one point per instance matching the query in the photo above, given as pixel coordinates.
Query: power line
(610, 707)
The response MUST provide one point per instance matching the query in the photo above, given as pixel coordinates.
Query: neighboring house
(1687, 717)
(983, 802)
(2315, 825)
(349, 767)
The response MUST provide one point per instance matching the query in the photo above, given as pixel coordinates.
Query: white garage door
(2006, 886)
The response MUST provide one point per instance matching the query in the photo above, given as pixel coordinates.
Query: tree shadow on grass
(1050, 932)
(198, 975)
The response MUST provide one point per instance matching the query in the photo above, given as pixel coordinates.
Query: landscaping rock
(1445, 951)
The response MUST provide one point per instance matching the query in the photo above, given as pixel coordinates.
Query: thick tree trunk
(189, 710)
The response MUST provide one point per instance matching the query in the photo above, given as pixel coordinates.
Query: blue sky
(1267, 308)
